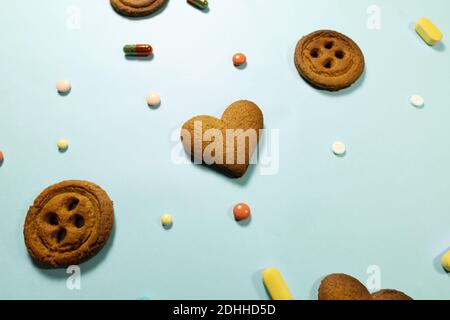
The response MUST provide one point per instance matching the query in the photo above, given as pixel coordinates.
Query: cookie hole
(73, 203)
(329, 44)
(61, 235)
(315, 53)
(339, 54)
(328, 64)
(78, 221)
(52, 219)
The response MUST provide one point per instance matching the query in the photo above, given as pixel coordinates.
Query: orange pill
(239, 59)
(241, 212)
(1, 157)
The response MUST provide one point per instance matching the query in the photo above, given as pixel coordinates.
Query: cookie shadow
(86, 267)
(346, 91)
(314, 292)
(437, 264)
(154, 14)
(242, 181)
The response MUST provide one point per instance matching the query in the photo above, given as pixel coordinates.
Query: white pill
(417, 101)
(63, 86)
(154, 99)
(339, 148)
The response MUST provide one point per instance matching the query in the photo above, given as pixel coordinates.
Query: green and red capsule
(201, 4)
(138, 50)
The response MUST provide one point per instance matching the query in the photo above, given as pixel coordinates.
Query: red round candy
(241, 212)
(1, 157)
(239, 59)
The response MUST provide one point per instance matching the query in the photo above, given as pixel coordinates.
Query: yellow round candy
(63, 144)
(446, 261)
(166, 220)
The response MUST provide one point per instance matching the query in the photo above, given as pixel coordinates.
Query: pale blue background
(387, 203)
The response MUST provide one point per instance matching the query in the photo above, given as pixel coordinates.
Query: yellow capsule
(275, 285)
(428, 32)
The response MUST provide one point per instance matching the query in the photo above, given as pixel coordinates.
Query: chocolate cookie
(342, 287)
(329, 60)
(68, 223)
(390, 295)
(137, 8)
(227, 143)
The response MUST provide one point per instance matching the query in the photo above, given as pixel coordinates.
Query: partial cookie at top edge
(137, 8)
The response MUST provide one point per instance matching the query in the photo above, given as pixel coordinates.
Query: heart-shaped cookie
(345, 287)
(228, 143)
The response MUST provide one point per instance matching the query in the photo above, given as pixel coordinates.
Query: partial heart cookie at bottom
(342, 287)
(390, 295)
(226, 144)
(345, 287)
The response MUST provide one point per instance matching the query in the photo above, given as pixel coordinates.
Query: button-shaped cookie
(137, 8)
(68, 223)
(228, 143)
(329, 60)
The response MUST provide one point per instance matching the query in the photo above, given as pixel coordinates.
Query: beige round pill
(417, 101)
(63, 86)
(154, 99)
(339, 148)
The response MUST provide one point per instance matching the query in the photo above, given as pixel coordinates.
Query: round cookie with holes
(68, 223)
(329, 60)
(137, 8)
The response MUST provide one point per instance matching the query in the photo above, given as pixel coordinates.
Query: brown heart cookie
(390, 295)
(137, 8)
(342, 287)
(227, 143)
(68, 223)
(329, 60)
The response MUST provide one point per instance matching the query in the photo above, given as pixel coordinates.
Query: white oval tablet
(63, 86)
(339, 148)
(153, 99)
(417, 101)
